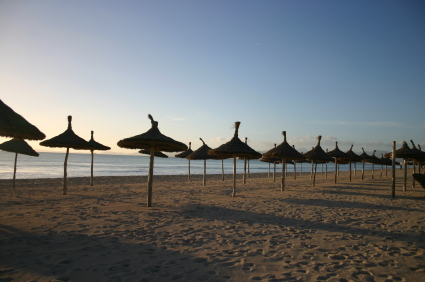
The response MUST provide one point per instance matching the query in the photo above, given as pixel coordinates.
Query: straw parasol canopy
(285, 152)
(15, 126)
(235, 148)
(184, 155)
(156, 153)
(17, 146)
(373, 160)
(317, 155)
(67, 139)
(202, 154)
(95, 146)
(364, 157)
(339, 157)
(152, 140)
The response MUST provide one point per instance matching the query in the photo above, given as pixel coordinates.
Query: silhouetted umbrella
(353, 158)
(156, 153)
(386, 162)
(152, 140)
(285, 152)
(338, 155)
(202, 154)
(15, 126)
(274, 161)
(405, 153)
(17, 146)
(67, 139)
(317, 155)
(373, 160)
(95, 146)
(184, 155)
(235, 148)
(364, 157)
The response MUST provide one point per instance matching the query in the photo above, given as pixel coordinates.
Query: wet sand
(332, 232)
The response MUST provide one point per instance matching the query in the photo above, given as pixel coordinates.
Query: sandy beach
(332, 232)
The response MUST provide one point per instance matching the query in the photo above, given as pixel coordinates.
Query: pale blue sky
(351, 71)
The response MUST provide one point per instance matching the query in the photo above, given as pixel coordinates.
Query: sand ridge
(331, 232)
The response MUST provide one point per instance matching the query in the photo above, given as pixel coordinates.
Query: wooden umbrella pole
(382, 168)
(150, 177)
(14, 171)
(312, 169)
(65, 172)
(314, 173)
(222, 169)
(189, 171)
(234, 177)
(205, 173)
(349, 167)
(248, 170)
(269, 172)
(414, 171)
(405, 175)
(274, 172)
(295, 171)
(393, 171)
(362, 170)
(336, 169)
(91, 178)
(301, 170)
(373, 169)
(355, 168)
(282, 185)
(244, 171)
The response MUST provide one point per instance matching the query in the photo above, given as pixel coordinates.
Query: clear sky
(351, 71)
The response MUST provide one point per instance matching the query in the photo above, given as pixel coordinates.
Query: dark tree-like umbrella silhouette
(17, 146)
(152, 140)
(15, 126)
(68, 139)
(285, 152)
(373, 160)
(317, 155)
(337, 154)
(95, 146)
(183, 155)
(235, 148)
(364, 157)
(353, 158)
(202, 154)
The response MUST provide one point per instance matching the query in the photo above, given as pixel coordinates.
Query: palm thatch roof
(235, 148)
(373, 159)
(18, 146)
(68, 139)
(317, 154)
(364, 156)
(385, 161)
(404, 152)
(156, 153)
(284, 151)
(201, 153)
(419, 155)
(353, 156)
(15, 126)
(337, 153)
(97, 146)
(152, 138)
(186, 153)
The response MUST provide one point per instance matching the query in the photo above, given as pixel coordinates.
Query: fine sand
(332, 232)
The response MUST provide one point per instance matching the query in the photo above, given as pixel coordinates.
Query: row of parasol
(153, 142)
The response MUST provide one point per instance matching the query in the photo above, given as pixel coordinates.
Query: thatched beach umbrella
(235, 148)
(183, 155)
(338, 155)
(152, 140)
(202, 154)
(274, 161)
(364, 157)
(353, 158)
(417, 160)
(373, 160)
(317, 155)
(156, 153)
(284, 152)
(405, 153)
(95, 146)
(15, 126)
(17, 146)
(67, 139)
(386, 162)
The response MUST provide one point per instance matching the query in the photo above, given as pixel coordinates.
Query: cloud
(219, 139)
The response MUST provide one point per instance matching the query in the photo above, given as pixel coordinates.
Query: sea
(50, 165)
